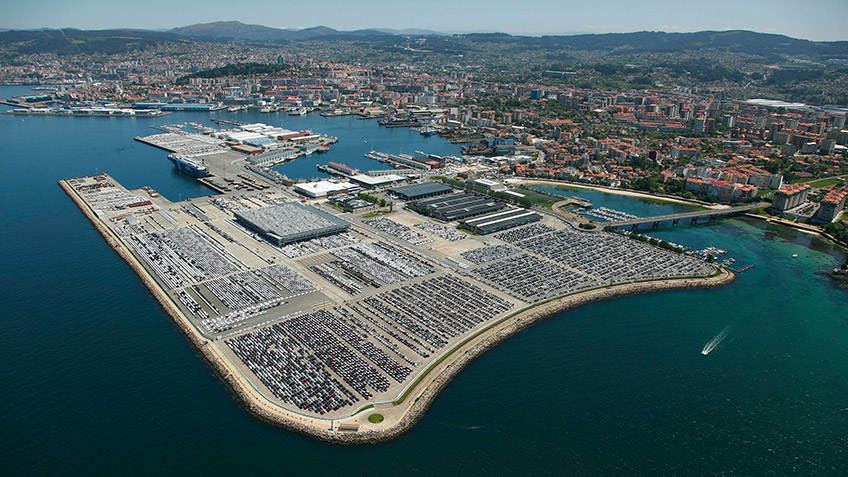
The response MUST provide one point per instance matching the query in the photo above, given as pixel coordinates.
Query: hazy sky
(811, 19)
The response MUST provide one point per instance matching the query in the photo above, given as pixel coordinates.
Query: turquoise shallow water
(96, 378)
(631, 205)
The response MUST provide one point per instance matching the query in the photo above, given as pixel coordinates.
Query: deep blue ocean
(96, 379)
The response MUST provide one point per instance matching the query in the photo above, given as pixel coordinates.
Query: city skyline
(540, 17)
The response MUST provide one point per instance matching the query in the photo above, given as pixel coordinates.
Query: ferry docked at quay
(192, 166)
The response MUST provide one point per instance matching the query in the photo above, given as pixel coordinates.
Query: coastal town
(690, 142)
(339, 301)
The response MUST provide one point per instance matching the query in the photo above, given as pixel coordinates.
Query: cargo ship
(189, 165)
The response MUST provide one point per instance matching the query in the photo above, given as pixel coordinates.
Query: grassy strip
(370, 406)
(377, 213)
(826, 182)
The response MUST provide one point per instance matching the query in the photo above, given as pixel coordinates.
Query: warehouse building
(274, 156)
(420, 191)
(456, 206)
(350, 202)
(321, 189)
(291, 222)
(373, 182)
(385, 172)
(488, 184)
(495, 222)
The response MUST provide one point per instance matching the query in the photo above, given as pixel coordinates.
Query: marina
(604, 214)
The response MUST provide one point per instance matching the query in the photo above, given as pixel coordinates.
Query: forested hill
(236, 69)
(72, 41)
(734, 41)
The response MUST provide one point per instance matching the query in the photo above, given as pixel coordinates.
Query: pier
(742, 268)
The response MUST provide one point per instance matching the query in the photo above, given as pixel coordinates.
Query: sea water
(98, 380)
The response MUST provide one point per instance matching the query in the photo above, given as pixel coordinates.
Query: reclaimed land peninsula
(343, 326)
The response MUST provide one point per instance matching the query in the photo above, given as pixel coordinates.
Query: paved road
(689, 215)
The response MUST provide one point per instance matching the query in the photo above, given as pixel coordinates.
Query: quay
(322, 320)
(95, 113)
(250, 271)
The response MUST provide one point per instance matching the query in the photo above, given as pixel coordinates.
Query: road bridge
(691, 216)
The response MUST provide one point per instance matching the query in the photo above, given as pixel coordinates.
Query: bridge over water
(691, 216)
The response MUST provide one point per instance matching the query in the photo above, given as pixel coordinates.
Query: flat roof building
(420, 191)
(283, 224)
(456, 206)
(377, 181)
(274, 156)
(498, 221)
(384, 172)
(350, 202)
(488, 184)
(320, 189)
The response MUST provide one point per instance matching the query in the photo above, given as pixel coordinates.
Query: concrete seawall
(424, 394)
(411, 407)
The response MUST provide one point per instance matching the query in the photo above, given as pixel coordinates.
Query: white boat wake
(711, 345)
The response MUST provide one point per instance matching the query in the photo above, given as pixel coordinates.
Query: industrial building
(488, 184)
(342, 169)
(274, 156)
(291, 222)
(456, 206)
(176, 106)
(386, 172)
(408, 160)
(373, 182)
(350, 202)
(321, 189)
(502, 220)
(420, 191)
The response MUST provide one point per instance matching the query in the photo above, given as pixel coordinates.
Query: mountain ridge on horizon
(76, 41)
(237, 30)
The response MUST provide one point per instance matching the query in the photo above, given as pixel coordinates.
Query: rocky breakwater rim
(416, 402)
(420, 398)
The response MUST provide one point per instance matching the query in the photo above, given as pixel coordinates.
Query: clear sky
(810, 19)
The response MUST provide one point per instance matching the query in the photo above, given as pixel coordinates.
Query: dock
(742, 268)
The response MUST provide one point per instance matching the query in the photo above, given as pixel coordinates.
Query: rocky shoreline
(423, 394)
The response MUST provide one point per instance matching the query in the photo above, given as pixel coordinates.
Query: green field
(827, 182)
(536, 197)
(821, 182)
(375, 418)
